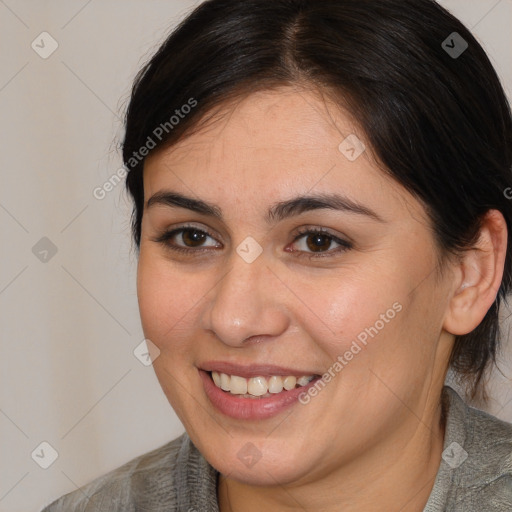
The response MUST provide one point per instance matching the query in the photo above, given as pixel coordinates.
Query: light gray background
(69, 325)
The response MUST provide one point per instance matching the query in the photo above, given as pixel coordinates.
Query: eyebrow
(276, 213)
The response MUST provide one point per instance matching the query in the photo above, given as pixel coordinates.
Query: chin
(244, 462)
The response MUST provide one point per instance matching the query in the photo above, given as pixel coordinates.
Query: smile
(259, 386)
(258, 395)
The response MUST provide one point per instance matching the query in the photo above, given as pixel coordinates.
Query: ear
(478, 276)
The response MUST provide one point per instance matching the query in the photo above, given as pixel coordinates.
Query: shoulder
(483, 474)
(147, 482)
(489, 442)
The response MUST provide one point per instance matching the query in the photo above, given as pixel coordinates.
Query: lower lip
(250, 408)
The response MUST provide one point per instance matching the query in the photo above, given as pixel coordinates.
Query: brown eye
(318, 242)
(187, 240)
(193, 237)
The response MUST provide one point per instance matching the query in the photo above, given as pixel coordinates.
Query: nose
(244, 305)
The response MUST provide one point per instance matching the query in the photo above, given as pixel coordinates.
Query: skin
(372, 438)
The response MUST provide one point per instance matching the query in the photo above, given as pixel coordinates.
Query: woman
(323, 232)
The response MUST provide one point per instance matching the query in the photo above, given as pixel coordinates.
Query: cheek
(167, 299)
(344, 308)
(367, 329)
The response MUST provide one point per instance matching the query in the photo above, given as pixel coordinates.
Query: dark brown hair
(439, 122)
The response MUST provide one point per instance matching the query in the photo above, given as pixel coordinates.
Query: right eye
(186, 239)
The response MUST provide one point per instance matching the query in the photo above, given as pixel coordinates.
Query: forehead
(285, 120)
(271, 145)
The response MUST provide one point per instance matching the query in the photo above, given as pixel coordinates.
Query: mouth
(253, 393)
(260, 386)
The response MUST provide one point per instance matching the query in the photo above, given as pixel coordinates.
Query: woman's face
(291, 257)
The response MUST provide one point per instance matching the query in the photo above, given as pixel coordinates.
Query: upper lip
(253, 370)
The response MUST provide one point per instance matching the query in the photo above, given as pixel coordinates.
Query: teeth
(289, 383)
(302, 381)
(225, 381)
(238, 385)
(275, 384)
(256, 387)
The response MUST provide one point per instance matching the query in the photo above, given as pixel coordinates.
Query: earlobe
(478, 277)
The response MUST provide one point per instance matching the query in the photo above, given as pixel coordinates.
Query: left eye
(319, 242)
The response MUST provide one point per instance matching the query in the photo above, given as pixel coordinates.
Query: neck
(389, 477)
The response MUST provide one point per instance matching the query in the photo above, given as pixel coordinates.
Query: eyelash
(343, 244)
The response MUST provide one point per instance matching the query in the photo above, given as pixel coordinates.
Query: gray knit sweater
(475, 474)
